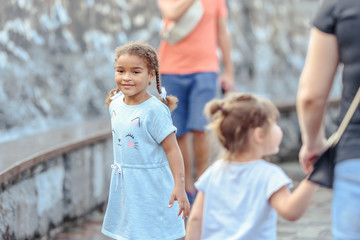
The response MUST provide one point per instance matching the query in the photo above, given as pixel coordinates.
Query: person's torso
(197, 52)
(342, 18)
(136, 138)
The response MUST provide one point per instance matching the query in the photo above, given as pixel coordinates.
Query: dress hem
(118, 237)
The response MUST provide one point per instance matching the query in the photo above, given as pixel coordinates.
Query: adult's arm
(224, 41)
(314, 87)
(173, 10)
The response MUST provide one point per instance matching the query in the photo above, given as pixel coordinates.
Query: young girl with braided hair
(241, 194)
(147, 189)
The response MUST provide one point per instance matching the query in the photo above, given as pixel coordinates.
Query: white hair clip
(163, 93)
(116, 94)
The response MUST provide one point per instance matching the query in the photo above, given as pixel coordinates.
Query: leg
(202, 149)
(346, 201)
(179, 86)
(203, 90)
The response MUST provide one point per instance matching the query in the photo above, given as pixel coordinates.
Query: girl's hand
(176, 164)
(179, 194)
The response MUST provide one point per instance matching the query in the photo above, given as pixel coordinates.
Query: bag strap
(335, 137)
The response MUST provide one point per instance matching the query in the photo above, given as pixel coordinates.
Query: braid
(169, 101)
(111, 93)
(158, 81)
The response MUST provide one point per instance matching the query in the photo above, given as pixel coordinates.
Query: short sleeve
(161, 123)
(325, 17)
(202, 183)
(277, 180)
(115, 99)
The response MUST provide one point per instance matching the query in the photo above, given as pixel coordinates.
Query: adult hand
(227, 82)
(308, 155)
(306, 159)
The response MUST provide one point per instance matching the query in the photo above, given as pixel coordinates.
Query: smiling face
(133, 77)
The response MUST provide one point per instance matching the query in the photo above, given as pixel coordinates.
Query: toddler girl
(240, 195)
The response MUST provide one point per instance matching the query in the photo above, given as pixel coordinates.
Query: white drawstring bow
(117, 167)
(163, 93)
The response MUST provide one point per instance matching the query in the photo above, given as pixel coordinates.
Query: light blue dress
(141, 182)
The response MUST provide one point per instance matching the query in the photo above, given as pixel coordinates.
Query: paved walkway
(314, 225)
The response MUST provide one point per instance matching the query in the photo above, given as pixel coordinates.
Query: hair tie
(163, 93)
(116, 93)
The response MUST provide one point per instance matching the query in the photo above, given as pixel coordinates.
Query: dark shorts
(193, 91)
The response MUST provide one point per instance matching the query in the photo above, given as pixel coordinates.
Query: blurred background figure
(333, 40)
(189, 71)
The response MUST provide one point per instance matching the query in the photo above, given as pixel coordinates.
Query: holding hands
(309, 153)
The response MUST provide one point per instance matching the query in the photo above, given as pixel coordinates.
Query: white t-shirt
(237, 200)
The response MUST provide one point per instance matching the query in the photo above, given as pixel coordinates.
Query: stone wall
(56, 56)
(64, 187)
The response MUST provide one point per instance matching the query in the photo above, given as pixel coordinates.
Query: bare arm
(224, 41)
(173, 10)
(315, 84)
(194, 224)
(292, 206)
(176, 163)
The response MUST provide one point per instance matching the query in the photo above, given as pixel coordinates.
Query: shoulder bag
(176, 31)
(323, 173)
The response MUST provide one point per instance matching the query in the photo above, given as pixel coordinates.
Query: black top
(342, 18)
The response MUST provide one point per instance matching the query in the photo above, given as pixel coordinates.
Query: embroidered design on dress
(118, 140)
(136, 121)
(131, 141)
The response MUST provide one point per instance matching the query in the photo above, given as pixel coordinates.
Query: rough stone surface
(64, 187)
(49, 185)
(56, 57)
(78, 196)
(19, 210)
(102, 160)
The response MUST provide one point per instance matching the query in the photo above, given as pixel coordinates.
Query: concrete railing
(48, 178)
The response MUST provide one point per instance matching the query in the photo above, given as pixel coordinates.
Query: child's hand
(178, 194)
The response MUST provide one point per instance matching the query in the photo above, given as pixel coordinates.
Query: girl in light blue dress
(147, 198)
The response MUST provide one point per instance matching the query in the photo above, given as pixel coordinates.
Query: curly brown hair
(149, 55)
(233, 117)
